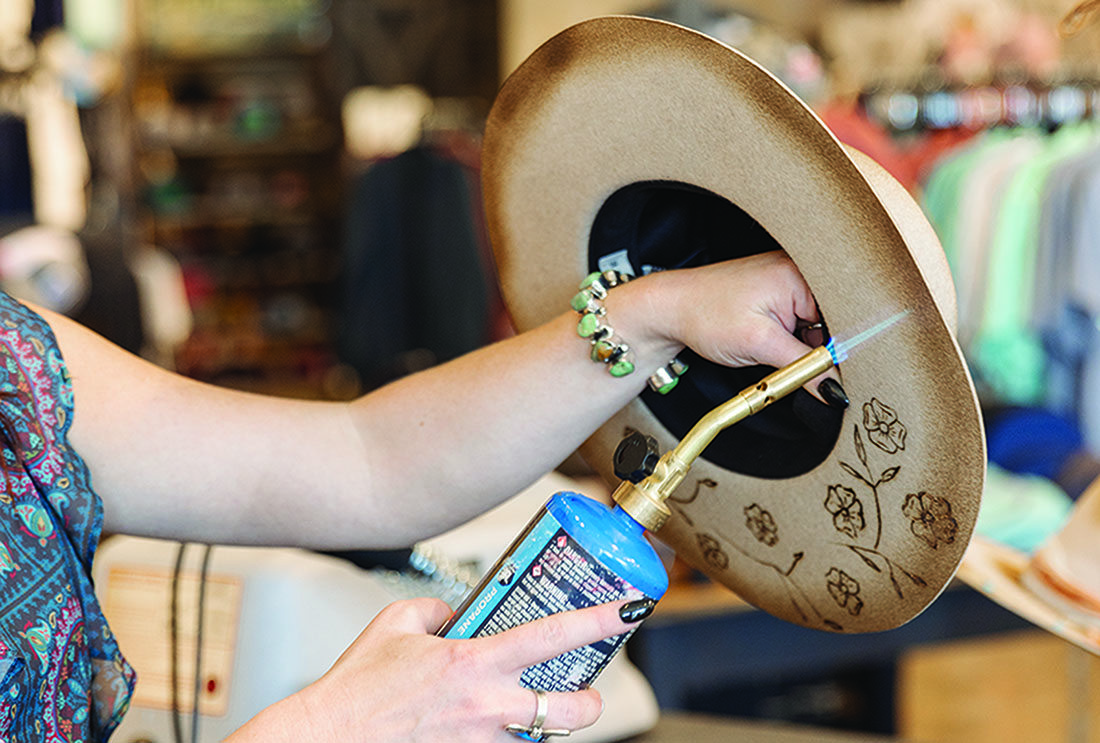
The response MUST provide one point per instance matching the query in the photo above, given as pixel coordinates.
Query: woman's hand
(744, 312)
(399, 682)
(740, 312)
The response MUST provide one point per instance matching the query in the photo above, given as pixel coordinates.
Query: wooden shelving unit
(237, 145)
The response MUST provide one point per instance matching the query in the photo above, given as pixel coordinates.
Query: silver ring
(535, 731)
(804, 334)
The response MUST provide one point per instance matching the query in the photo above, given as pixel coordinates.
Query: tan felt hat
(1007, 576)
(638, 145)
(1057, 587)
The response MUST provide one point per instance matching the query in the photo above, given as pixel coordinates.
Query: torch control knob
(636, 457)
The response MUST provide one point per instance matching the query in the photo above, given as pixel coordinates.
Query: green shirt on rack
(942, 193)
(1007, 353)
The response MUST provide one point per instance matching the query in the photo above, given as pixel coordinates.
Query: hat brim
(864, 533)
(998, 571)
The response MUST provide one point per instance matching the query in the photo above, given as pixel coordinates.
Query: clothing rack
(1005, 103)
(1012, 207)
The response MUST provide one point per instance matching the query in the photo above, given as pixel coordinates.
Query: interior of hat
(661, 225)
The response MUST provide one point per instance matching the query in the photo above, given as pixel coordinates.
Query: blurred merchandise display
(231, 26)
(236, 173)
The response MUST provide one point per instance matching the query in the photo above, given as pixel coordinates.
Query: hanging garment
(941, 193)
(15, 171)
(1064, 327)
(1085, 300)
(851, 125)
(981, 193)
(1015, 212)
(414, 289)
(1007, 352)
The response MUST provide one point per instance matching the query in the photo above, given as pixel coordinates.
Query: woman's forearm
(179, 459)
(453, 441)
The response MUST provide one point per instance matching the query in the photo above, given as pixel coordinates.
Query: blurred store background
(283, 196)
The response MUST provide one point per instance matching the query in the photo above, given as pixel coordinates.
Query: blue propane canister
(576, 552)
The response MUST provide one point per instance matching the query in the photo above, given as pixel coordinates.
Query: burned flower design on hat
(762, 525)
(853, 516)
(713, 552)
(712, 548)
(845, 591)
(887, 432)
(847, 510)
(930, 518)
(883, 427)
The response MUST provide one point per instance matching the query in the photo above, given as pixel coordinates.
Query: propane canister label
(544, 572)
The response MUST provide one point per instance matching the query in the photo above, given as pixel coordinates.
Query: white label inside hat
(617, 261)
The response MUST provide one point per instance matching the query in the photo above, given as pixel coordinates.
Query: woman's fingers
(419, 616)
(788, 284)
(551, 636)
(564, 711)
(398, 682)
(777, 347)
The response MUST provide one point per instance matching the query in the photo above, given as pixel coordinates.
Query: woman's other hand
(399, 682)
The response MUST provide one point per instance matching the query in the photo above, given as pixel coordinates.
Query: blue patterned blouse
(62, 677)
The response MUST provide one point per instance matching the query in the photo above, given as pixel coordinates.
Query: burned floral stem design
(763, 526)
(797, 596)
(891, 566)
(705, 482)
(929, 517)
(784, 571)
(871, 482)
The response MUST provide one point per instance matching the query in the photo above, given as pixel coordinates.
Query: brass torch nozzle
(645, 501)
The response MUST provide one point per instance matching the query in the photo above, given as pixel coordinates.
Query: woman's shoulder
(53, 630)
(33, 374)
(19, 320)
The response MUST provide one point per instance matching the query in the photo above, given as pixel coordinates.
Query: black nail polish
(636, 611)
(833, 393)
